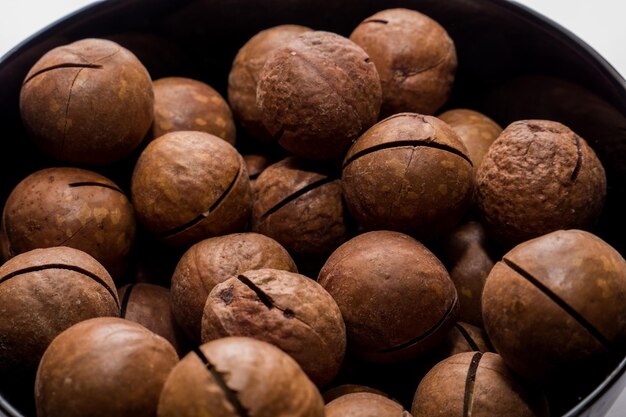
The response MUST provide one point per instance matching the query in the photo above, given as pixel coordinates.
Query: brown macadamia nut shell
(364, 404)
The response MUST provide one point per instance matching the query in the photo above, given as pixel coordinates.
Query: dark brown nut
(214, 260)
(103, 367)
(462, 338)
(42, 293)
(150, 306)
(476, 131)
(245, 72)
(469, 261)
(186, 104)
(285, 309)
(415, 57)
(255, 164)
(475, 384)
(346, 389)
(557, 304)
(70, 207)
(409, 173)
(365, 404)
(395, 297)
(188, 186)
(317, 94)
(299, 204)
(239, 376)
(88, 102)
(538, 177)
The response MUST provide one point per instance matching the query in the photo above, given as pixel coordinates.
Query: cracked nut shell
(238, 377)
(395, 296)
(283, 308)
(70, 207)
(103, 367)
(537, 177)
(317, 94)
(214, 260)
(475, 383)
(255, 164)
(42, 293)
(245, 73)
(187, 104)
(415, 57)
(88, 102)
(365, 404)
(408, 173)
(188, 186)
(300, 205)
(556, 305)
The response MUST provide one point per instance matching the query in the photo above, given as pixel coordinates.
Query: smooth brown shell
(395, 296)
(150, 306)
(317, 94)
(463, 337)
(285, 309)
(88, 102)
(409, 173)
(345, 389)
(469, 261)
(42, 293)
(70, 207)
(557, 303)
(364, 404)
(300, 205)
(415, 57)
(475, 384)
(103, 367)
(476, 131)
(238, 376)
(537, 177)
(188, 186)
(214, 260)
(245, 72)
(187, 104)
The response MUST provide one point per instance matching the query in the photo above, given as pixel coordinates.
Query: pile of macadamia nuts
(359, 255)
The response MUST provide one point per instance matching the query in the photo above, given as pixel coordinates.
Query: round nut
(365, 404)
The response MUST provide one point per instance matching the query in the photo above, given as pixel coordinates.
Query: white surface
(600, 23)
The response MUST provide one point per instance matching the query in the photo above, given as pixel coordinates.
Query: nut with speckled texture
(299, 204)
(317, 94)
(345, 389)
(255, 164)
(285, 309)
(188, 186)
(556, 305)
(476, 131)
(477, 384)
(187, 104)
(468, 258)
(70, 207)
(103, 367)
(395, 296)
(415, 57)
(239, 376)
(364, 404)
(42, 293)
(245, 72)
(213, 261)
(150, 306)
(409, 173)
(88, 102)
(537, 177)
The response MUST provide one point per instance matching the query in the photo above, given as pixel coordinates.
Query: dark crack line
(265, 299)
(424, 335)
(94, 184)
(78, 269)
(579, 159)
(473, 345)
(67, 109)
(76, 232)
(296, 195)
(200, 217)
(606, 344)
(125, 300)
(218, 377)
(384, 22)
(404, 143)
(67, 65)
(470, 382)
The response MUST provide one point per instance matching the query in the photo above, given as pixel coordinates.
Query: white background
(599, 22)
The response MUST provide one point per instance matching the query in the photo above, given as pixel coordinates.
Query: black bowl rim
(554, 29)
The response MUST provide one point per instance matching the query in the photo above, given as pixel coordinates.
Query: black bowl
(513, 64)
